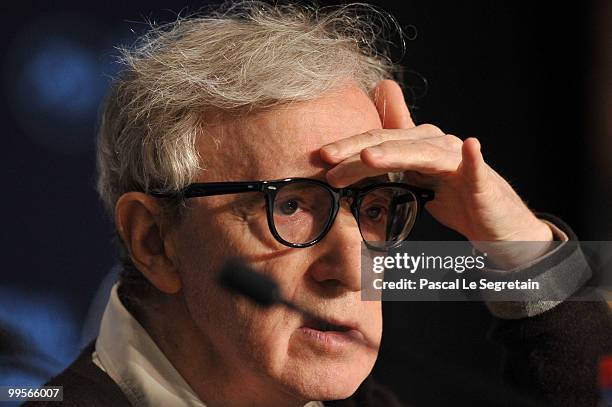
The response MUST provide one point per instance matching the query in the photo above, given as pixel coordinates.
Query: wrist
(520, 248)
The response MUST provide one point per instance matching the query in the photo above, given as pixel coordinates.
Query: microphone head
(236, 275)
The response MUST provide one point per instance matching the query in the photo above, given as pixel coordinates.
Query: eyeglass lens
(302, 211)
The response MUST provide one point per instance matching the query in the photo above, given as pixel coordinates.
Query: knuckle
(431, 129)
(453, 141)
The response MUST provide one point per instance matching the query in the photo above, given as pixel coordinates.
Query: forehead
(284, 141)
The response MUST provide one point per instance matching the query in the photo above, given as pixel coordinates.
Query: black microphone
(237, 276)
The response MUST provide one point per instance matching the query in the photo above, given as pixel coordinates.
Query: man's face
(271, 350)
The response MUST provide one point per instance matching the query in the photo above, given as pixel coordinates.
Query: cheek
(206, 238)
(238, 330)
(259, 341)
(245, 337)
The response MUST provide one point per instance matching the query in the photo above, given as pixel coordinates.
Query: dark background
(526, 78)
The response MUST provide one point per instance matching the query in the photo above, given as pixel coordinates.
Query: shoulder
(85, 384)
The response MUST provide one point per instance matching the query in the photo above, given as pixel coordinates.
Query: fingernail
(375, 152)
(331, 150)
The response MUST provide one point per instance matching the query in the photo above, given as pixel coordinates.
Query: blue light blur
(64, 79)
(57, 73)
(39, 333)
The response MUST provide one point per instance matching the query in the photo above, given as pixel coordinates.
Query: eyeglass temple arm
(212, 189)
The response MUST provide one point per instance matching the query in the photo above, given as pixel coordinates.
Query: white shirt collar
(126, 352)
(132, 359)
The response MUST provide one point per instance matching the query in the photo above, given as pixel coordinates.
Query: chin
(321, 378)
(332, 384)
(312, 365)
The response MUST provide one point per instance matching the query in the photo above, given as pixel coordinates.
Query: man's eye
(374, 212)
(288, 207)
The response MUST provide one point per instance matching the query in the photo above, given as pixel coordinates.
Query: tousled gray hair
(238, 58)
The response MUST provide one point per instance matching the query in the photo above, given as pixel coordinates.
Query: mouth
(325, 325)
(330, 335)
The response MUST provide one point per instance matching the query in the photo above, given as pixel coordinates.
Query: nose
(339, 261)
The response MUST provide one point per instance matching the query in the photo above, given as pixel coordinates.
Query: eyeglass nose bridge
(353, 198)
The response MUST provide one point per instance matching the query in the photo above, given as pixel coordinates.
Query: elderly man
(237, 134)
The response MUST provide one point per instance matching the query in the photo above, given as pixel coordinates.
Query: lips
(330, 335)
(326, 325)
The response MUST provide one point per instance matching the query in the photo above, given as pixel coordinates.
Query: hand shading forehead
(285, 141)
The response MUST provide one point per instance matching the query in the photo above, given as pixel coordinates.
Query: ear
(139, 223)
(392, 109)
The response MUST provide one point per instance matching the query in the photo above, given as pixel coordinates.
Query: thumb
(472, 164)
(392, 109)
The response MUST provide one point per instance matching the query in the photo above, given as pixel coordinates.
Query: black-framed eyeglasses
(301, 211)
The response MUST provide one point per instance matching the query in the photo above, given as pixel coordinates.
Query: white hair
(240, 58)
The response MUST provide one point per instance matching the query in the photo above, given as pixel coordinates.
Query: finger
(473, 166)
(351, 171)
(423, 157)
(340, 150)
(391, 105)
(394, 156)
(448, 142)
